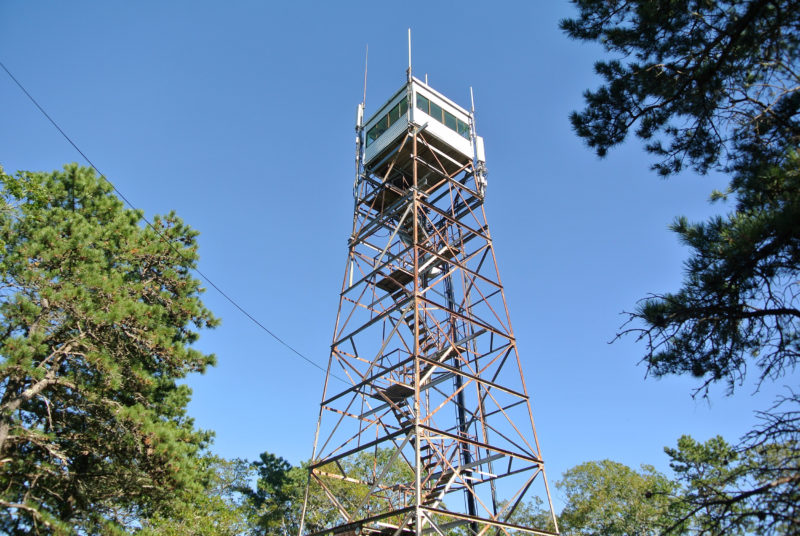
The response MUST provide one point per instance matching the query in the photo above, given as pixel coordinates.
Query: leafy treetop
(97, 315)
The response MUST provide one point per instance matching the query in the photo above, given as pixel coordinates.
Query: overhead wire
(164, 238)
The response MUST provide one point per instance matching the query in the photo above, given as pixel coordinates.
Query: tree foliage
(739, 302)
(276, 502)
(529, 513)
(277, 499)
(723, 487)
(218, 509)
(715, 490)
(704, 82)
(98, 314)
(608, 498)
(716, 85)
(280, 490)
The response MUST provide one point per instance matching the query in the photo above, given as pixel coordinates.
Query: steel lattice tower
(431, 431)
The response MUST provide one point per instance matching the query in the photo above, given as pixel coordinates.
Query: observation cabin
(451, 144)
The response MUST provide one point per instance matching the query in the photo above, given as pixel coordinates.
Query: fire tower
(425, 425)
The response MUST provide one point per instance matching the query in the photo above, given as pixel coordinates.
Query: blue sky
(239, 116)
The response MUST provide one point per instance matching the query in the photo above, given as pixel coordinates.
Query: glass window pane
(436, 112)
(423, 103)
(403, 106)
(372, 134)
(394, 115)
(463, 128)
(450, 121)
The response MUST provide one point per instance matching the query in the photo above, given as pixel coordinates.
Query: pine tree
(715, 85)
(98, 313)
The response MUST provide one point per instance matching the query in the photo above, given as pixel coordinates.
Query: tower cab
(446, 127)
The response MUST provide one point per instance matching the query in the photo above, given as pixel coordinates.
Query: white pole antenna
(366, 62)
(472, 99)
(359, 148)
(479, 151)
(409, 54)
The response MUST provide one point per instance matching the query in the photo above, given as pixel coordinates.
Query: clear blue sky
(239, 116)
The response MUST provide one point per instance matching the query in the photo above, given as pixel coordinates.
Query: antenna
(366, 62)
(480, 151)
(359, 129)
(363, 105)
(472, 99)
(409, 54)
(472, 114)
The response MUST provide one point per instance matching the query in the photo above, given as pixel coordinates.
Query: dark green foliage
(277, 500)
(708, 470)
(277, 495)
(716, 85)
(219, 509)
(739, 302)
(723, 487)
(704, 82)
(721, 82)
(97, 315)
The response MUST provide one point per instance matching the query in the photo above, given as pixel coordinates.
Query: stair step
(398, 295)
(398, 393)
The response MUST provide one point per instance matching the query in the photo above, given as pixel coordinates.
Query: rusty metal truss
(432, 432)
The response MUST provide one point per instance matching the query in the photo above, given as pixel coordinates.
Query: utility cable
(161, 235)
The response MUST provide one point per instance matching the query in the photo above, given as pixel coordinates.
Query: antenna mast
(366, 63)
(360, 129)
(409, 55)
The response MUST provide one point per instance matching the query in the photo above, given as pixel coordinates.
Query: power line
(159, 233)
